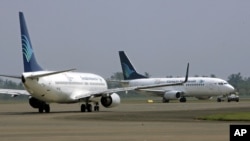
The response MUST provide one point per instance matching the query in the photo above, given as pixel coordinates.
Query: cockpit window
(222, 83)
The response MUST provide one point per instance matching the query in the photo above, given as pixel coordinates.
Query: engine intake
(23, 79)
(111, 101)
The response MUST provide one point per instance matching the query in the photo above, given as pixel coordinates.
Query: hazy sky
(159, 36)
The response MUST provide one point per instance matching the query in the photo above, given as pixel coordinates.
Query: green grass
(241, 116)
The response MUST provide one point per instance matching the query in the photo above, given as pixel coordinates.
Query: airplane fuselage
(63, 87)
(196, 86)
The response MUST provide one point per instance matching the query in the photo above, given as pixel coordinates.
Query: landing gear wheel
(164, 100)
(89, 107)
(83, 108)
(219, 100)
(44, 107)
(96, 108)
(40, 109)
(47, 108)
(183, 99)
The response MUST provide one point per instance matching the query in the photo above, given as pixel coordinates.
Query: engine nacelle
(35, 103)
(111, 101)
(172, 95)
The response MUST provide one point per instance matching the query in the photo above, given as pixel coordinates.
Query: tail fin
(29, 60)
(128, 70)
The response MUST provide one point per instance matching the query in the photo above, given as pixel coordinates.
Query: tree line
(240, 83)
(9, 84)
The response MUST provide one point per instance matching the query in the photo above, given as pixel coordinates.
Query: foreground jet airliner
(44, 87)
(199, 87)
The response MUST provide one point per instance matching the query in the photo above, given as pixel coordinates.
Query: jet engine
(111, 100)
(172, 95)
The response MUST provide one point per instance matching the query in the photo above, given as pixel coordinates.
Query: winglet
(187, 72)
(165, 84)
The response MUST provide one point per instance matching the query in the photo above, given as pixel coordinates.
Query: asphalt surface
(127, 122)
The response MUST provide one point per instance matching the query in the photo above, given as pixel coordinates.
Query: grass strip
(239, 116)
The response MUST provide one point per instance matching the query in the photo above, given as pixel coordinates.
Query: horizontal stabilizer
(47, 74)
(11, 76)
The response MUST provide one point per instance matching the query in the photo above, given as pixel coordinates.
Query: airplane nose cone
(231, 88)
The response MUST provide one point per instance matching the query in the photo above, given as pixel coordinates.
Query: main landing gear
(40, 105)
(43, 107)
(88, 107)
(164, 100)
(183, 99)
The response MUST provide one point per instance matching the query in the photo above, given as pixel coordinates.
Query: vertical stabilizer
(29, 60)
(128, 70)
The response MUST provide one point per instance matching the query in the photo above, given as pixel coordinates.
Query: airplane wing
(14, 92)
(154, 92)
(115, 90)
(100, 93)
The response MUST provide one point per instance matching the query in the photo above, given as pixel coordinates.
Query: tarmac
(127, 122)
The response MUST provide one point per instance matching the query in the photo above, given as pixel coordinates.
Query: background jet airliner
(199, 87)
(45, 87)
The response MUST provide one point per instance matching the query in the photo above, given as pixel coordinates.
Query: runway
(129, 121)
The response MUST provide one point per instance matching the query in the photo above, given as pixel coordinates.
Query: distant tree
(241, 84)
(8, 84)
(117, 76)
(235, 80)
(213, 75)
(113, 81)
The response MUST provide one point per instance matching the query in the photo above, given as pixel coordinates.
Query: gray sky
(159, 36)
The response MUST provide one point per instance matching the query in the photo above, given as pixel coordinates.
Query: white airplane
(199, 87)
(44, 87)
